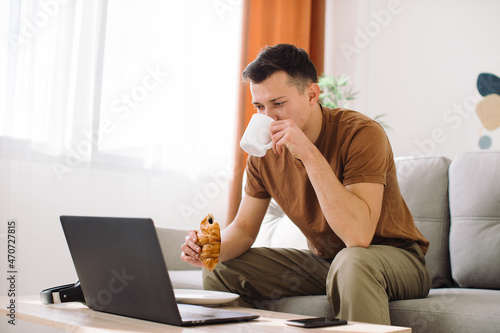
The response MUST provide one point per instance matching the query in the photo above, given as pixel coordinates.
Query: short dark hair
(282, 57)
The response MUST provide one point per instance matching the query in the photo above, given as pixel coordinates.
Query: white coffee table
(75, 317)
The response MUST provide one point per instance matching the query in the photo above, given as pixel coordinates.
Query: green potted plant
(336, 92)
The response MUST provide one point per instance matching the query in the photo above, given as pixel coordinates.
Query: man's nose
(270, 113)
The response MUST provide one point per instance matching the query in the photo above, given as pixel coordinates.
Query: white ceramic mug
(257, 140)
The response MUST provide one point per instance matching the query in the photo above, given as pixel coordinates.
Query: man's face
(277, 98)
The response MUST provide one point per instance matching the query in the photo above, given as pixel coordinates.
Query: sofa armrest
(170, 241)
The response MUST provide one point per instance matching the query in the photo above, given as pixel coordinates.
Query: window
(145, 83)
(169, 83)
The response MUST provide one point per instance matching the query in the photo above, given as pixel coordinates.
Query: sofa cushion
(449, 310)
(475, 219)
(424, 185)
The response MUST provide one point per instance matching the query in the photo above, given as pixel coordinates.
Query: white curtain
(147, 84)
(51, 63)
(169, 85)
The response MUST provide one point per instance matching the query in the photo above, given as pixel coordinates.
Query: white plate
(203, 297)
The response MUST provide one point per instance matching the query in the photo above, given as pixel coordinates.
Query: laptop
(121, 270)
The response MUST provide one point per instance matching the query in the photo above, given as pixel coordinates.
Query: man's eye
(259, 107)
(279, 103)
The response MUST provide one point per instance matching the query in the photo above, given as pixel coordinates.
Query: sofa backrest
(278, 230)
(475, 219)
(424, 185)
(170, 239)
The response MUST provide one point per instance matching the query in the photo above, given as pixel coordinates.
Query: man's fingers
(280, 125)
(191, 239)
(191, 249)
(193, 235)
(191, 260)
(280, 134)
(278, 141)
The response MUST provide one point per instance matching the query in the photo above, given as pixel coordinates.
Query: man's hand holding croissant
(203, 244)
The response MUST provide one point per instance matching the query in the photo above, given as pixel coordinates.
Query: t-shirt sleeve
(254, 186)
(368, 155)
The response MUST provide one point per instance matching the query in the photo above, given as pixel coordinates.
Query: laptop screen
(121, 267)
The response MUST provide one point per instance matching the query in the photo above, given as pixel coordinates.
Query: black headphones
(61, 294)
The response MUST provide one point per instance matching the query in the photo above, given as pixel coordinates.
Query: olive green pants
(359, 282)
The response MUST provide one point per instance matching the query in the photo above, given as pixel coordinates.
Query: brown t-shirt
(358, 151)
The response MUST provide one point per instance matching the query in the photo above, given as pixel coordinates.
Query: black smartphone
(316, 322)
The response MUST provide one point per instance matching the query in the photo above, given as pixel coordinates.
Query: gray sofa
(455, 204)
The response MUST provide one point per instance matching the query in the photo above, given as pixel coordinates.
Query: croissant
(209, 241)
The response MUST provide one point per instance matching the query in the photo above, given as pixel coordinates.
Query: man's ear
(313, 92)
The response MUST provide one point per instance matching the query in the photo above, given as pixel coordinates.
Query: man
(333, 174)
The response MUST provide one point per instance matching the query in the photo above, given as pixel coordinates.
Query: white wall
(418, 61)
